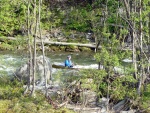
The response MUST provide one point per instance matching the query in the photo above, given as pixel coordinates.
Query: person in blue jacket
(68, 62)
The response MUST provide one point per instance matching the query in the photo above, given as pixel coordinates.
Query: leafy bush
(145, 100)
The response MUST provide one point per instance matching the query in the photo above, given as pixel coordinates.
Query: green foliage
(5, 46)
(17, 106)
(84, 49)
(12, 16)
(120, 87)
(12, 99)
(95, 78)
(105, 57)
(8, 44)
(77, 20)
(114, 4)
(145, 100)
(105, 32)
(4, 105)
(102, 56)
(21, 42)
(123, 31)
(72, 47)
(104, 25)
(10, 90)
(123, 87)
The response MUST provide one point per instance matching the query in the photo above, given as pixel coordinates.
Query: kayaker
(68, 62)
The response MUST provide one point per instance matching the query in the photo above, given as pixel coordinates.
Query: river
(11, 60)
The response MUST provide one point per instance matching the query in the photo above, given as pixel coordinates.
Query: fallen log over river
(90, 45)
(67, 44)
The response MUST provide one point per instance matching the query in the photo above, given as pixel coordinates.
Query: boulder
(23, 72)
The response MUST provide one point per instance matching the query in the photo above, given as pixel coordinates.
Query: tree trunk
(43, 50)
(29, 49)
(149, 44)
(132, 34)
(34, 54)
(141, 80)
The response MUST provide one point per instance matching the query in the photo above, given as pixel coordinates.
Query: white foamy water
(92, 66)
(10, 62)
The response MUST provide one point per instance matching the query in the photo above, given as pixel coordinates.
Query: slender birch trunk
(132, 34)
(43, 49)
(29, 49)
(141, 48)
(34, 54)
(149, 44)
(29, 46)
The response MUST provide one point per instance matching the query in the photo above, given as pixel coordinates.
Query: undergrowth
(12, 99)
